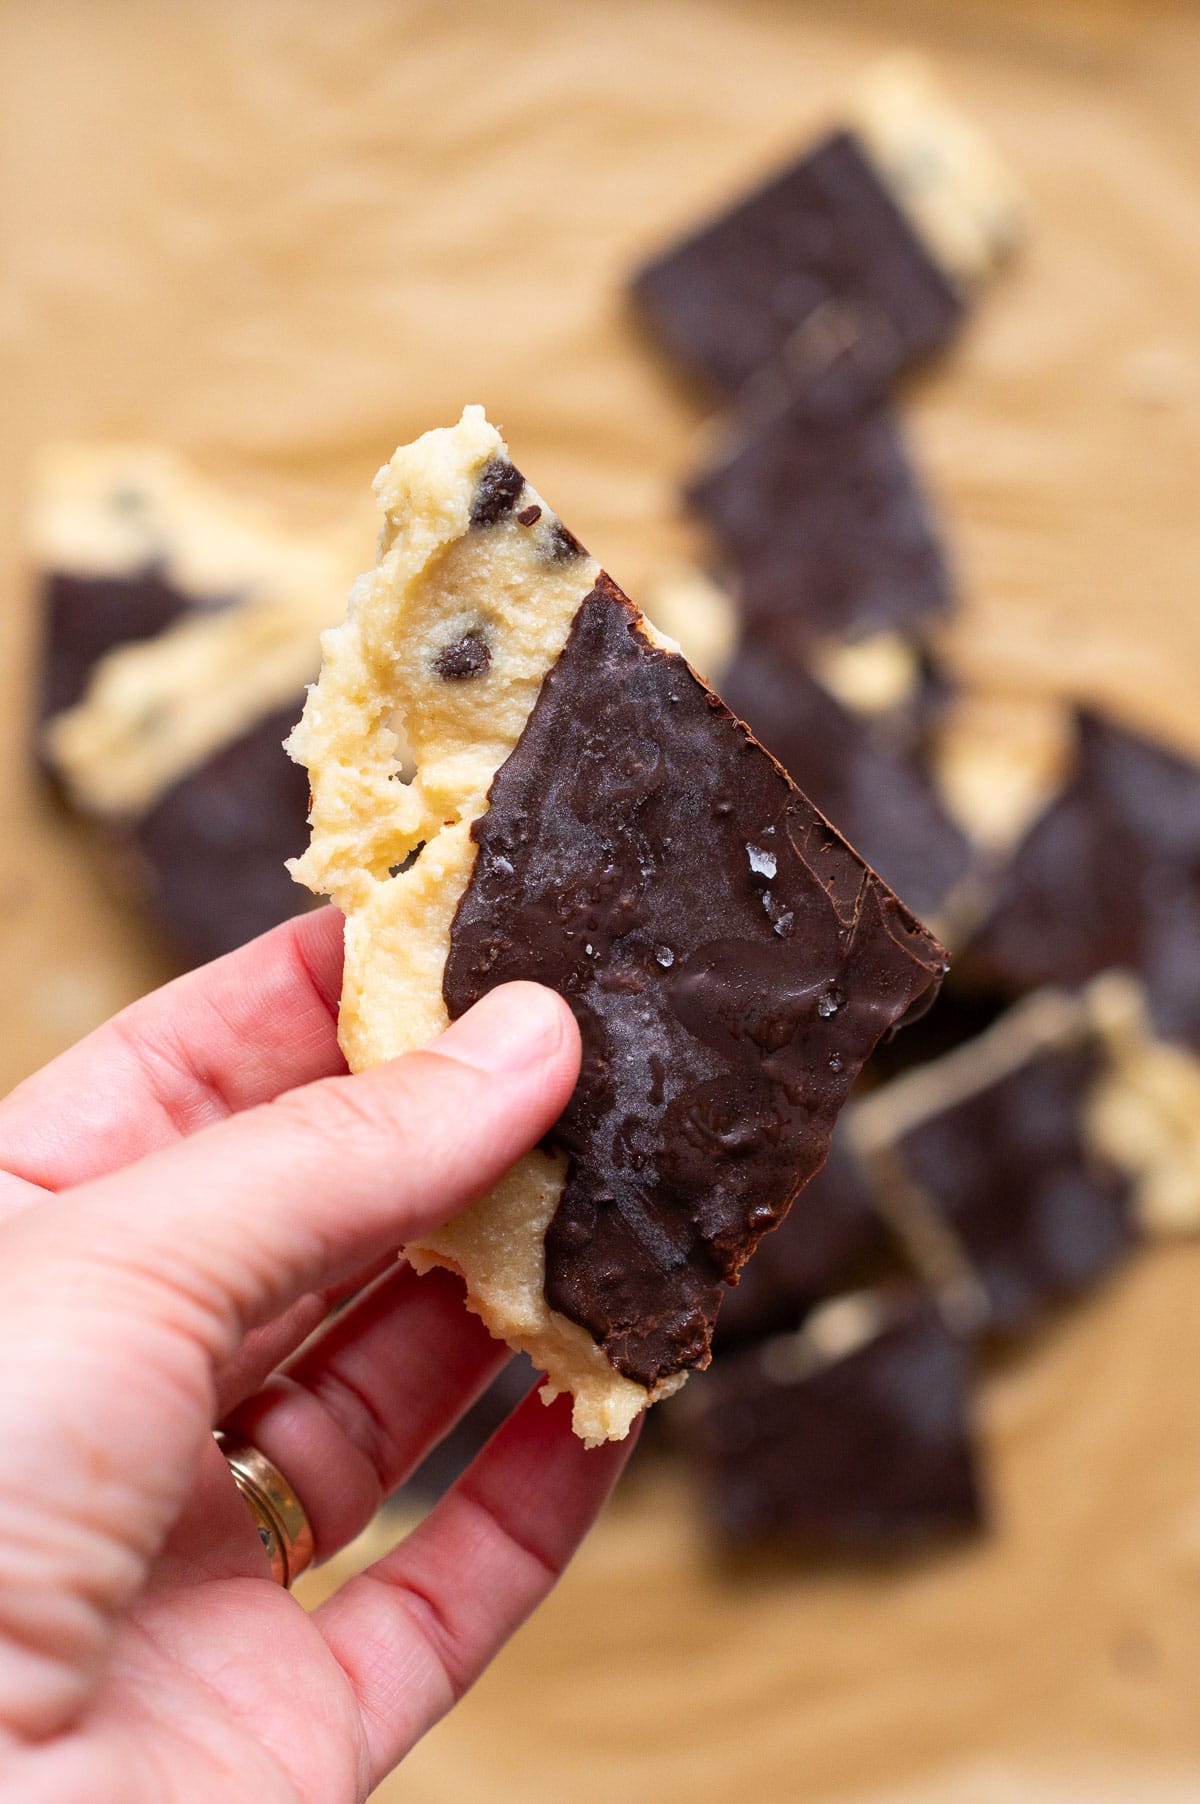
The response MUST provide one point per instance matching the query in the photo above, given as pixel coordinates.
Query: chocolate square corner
(869, 1453)
(815, 283)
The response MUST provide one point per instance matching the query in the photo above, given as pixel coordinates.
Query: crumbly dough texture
(401, 758)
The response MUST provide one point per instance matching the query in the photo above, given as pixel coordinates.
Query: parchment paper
(285, 237)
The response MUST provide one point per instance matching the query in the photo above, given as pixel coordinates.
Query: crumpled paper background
(283, 237)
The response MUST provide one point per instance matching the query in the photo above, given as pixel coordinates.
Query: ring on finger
(278, 1513)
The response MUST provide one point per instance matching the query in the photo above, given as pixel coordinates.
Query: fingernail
(510, 1029)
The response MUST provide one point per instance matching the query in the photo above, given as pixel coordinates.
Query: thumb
(119, 1298)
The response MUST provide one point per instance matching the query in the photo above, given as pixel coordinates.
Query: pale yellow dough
(942, 170)
(155, 709)
(398, 758)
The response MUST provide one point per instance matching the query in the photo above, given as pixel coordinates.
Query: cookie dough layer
(158, 709)
(424, 692)
(943, 171)
(179, 617)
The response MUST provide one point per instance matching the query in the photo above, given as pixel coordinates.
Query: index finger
(224, 1038)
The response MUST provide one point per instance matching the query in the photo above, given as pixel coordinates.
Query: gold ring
(278, 1513)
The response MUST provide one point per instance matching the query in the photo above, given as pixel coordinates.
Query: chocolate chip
(500, 484)
(407, 863)
(469, 656)
(529, 516)
(560, 543)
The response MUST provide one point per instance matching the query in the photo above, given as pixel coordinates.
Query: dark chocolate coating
(213, 845)
(814, 1251)
(1108, 876)
(1041, 1218)
(816, 281)
(825, 530)
(873, 1454)
(87, 616)
(730, 962)
(883, 801)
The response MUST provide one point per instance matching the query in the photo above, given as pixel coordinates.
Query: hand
(183, 1197)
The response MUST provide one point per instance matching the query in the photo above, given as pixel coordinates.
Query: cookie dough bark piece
(815, 285)
(157, 710)
(182, 625)
(1108, 876)
(127, 538)
(585, 812)
(853, 1436)
(423, 694)
(985, 1165)
(824, 529)
(179, 618)
(851, 264)
(882, 798)
(945, 173)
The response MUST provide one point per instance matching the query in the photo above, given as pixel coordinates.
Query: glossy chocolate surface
(815, 282)
(730, 962)
(883, 799)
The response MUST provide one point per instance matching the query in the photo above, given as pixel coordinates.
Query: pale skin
(182, 1198)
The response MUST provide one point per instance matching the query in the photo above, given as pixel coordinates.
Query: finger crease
(328, 999)
(434, 1629)
(465, 1493)
(185, 1093)
(360, 1419)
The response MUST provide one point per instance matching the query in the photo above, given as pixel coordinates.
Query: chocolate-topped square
(823, 528)
(1108, 876)
(1040, 1215)
(815, 281)
(852, 1437)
